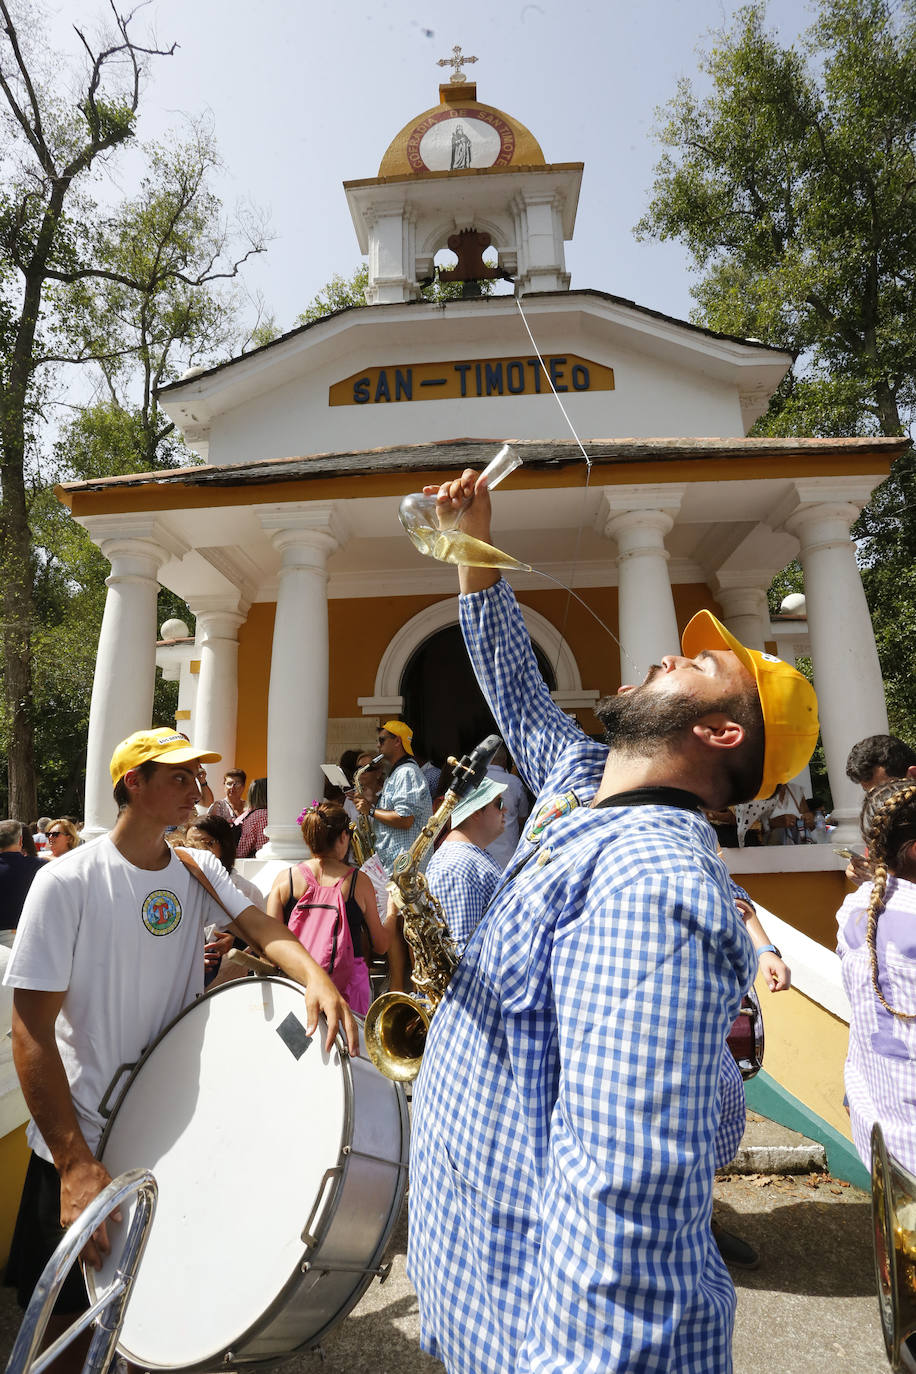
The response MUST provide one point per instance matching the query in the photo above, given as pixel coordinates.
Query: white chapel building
(316, 618)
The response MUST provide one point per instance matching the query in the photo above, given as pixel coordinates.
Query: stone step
(768, 1148)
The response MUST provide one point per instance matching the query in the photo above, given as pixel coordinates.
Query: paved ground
(809, 1309)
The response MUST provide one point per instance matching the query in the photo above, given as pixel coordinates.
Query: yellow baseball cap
(162, 745)
(787, 700)
(403, 732)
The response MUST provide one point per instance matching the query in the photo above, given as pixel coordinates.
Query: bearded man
(564, 1118)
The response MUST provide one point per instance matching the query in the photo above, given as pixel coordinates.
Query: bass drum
(281, 1171)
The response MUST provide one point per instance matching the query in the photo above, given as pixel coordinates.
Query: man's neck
(140, 840)
(624, 772)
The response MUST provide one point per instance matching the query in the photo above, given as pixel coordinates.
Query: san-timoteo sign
(470, 380)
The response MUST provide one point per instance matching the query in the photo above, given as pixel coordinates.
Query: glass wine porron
(435, 534)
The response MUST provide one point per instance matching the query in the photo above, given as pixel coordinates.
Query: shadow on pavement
(812, 1248)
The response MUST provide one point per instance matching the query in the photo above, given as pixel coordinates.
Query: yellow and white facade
(313, 610)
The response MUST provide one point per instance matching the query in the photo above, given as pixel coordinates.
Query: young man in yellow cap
(565, 1116)
(108, 951)
(404, 804)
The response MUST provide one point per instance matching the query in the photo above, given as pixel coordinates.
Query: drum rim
(328, 1215)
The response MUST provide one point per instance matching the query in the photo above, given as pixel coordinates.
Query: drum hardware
(331, 1175)
(361, 1154)
(109, 1309)
(379, 1272)
(893, 1202)
(397, 1023)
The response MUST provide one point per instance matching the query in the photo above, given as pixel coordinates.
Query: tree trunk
(17, 620)
(16, 547)
(888, 411)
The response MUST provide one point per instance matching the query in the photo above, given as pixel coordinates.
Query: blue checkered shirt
(406, 792)
(565, 1115)
(463, 878)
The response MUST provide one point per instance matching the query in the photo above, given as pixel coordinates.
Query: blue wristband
(768, 949)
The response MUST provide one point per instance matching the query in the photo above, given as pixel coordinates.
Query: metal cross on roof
(456, 62)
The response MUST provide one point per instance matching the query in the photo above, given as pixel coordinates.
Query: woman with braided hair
(877, 945)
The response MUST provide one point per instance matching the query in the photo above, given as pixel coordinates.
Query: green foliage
(140, 291)
(793, 185)
(343, 293)
(69, 596)
(340, 293)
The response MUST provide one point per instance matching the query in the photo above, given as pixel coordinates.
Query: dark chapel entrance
(442, 701)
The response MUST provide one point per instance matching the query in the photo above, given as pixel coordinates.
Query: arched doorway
(442, 701)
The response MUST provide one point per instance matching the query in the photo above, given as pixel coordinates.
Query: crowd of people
(577, 1093)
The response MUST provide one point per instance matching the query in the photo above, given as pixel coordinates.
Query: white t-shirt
(248, 889)
(126, 946)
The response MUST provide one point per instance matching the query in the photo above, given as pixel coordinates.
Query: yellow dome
(460, 134)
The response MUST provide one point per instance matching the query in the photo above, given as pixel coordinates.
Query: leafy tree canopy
(792, 182)
(793, 185)
(137, 287)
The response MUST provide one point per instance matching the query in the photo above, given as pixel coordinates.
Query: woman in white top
(217, 835)
(220, 838)
(876, 942)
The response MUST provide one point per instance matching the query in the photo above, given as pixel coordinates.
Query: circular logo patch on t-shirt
(161, 912)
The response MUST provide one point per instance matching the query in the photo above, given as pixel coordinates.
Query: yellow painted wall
(14, 1156)
(255, 642)
(805, 1050)
(361, 628)
(808, 901)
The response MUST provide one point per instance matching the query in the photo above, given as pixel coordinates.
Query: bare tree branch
(33, 131)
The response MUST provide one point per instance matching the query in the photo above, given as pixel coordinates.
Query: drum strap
(202, 878)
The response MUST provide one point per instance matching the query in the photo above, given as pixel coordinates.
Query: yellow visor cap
(787, 700)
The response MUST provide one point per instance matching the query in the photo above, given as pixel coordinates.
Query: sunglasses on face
(56, 834)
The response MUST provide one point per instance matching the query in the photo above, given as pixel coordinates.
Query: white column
(187, 696)
(392, 251)
(647, 621)
(847, 674)
(216, 708)
(305, 534)
(744, 607)
(125, 665)
(538, 221)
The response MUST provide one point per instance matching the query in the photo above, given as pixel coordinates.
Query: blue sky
(304, 96)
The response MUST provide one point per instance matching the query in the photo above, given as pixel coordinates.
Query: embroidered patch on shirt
(161, 912)
(551, 810)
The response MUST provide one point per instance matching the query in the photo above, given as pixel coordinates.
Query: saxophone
(397, 1022)
(361, 836)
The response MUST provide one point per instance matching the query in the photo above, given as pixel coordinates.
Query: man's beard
(634, 721)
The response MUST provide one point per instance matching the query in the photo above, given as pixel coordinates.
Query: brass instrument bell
(395, 1034)
(893, 1201)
